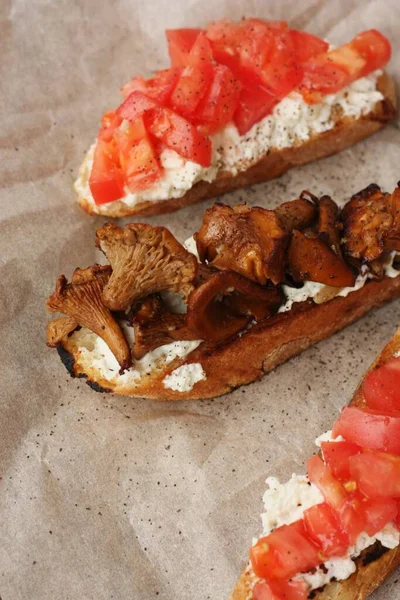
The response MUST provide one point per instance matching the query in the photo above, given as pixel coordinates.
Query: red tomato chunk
(382, 387)
(369, 428)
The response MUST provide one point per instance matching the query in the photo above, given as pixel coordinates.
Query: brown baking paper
(104, 497)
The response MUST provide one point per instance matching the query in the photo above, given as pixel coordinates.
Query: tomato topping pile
(359, 479)
(228, 72)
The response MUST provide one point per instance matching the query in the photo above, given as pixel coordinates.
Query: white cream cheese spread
(184, 378)
(95, 352)
(291, 123)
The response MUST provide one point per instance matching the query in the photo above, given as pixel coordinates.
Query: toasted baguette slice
(246, 357)
(375, 563)
(274, 163)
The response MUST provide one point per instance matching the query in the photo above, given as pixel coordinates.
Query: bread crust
(370, 572)
(273, 164)
(246, 357)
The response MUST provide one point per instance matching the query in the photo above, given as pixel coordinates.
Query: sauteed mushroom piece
(82, 301)
(212, 319)
(250, 241)
(310, 259)
(297, 214)
(144, 260)
(155, 326)
(329, 226)
(371, 223)
(58, 329)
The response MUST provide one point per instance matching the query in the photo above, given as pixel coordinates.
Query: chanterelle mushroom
(213, 318)
(58, 329)
(250, 241)
(144, 260)
(297, 214)
(371, 223)
(82, 301)
(155, 326)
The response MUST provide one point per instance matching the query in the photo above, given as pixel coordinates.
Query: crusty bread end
(275, 163)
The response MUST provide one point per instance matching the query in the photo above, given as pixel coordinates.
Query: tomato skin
(336, 456)
(382, 387)
(254, 104)
(195, 78)
(352, 516)
(377, 474)
(159, 87)
(397, 518)
(375, 49)
(180, 135)
(140, 165)
(106, 181)
(369, 428)
(135, 106)
(379, 512)
(323, 527)
(328, 73)
(109, 123)
(281, 590)
(321, 475)
(217, 107)
(306, 45)
(180, 43)
(284, 552)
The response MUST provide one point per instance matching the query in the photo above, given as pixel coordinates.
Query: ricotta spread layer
(292, 122)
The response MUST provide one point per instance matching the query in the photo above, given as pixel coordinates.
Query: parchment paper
(104, 497)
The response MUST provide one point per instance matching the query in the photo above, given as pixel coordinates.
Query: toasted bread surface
(273, 164)
(372, 566)
(246, 357)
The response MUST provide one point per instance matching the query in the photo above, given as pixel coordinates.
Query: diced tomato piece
(254, 104)
(180, 43)
(159, 87)
(397, 518)
(369, 428)
(106, 181)
(324, 528)
(195, 78)
(352, 517)
(135, 106)
(285, 552)
(379, 512)
(382, 387)
(180, 135)
(374, 48)
(224, 33)
(377, 474)
(330, 72)
(280, 72)
(140, 165)
(306, 45)
(321, 475)
(218, 105)
(109, 123)
(281, 590)
(336, 456)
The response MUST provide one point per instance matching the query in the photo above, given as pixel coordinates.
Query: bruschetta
(252, 288)
(334, 533)
(241, 103)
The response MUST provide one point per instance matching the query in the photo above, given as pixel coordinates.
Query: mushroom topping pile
(246, 254)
